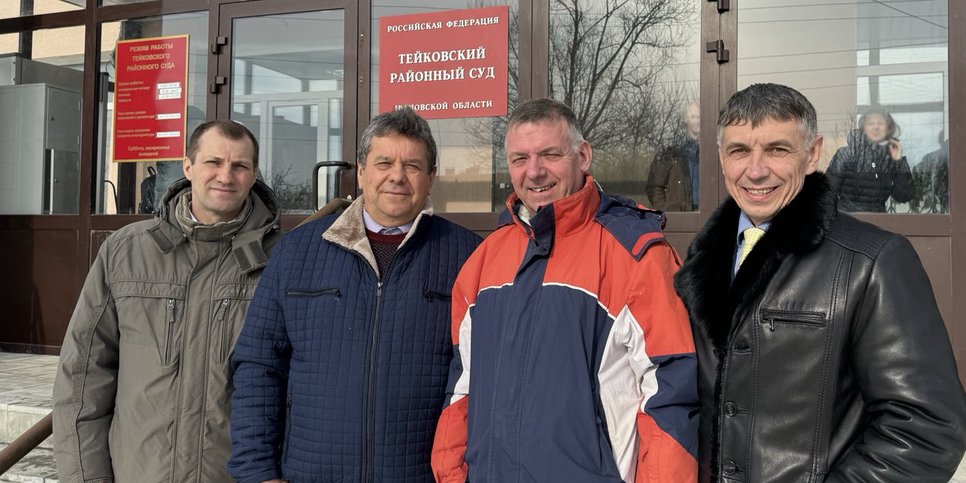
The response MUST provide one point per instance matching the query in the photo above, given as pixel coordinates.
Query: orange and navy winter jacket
(574, 360)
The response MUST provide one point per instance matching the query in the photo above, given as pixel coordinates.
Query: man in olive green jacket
(672, 183)
(143, 387)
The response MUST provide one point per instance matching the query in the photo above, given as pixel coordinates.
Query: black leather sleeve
(905, 368)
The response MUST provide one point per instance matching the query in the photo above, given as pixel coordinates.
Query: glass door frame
(221, 63)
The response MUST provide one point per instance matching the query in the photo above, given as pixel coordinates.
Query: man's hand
(274, 481)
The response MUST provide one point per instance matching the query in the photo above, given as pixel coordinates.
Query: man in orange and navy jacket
(583, 365)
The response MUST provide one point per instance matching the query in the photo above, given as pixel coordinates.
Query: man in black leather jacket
(822, 355)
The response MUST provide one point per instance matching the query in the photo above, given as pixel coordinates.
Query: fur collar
(349, 230)
(704, 282)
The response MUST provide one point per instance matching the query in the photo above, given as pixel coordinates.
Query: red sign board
(445, 64)
(150, 99)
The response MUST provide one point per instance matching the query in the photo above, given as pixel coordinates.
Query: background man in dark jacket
(931, 177)
(822, 354)
(340, 371)
(142, 388)
(672, 182)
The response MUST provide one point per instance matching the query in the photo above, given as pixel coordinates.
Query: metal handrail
(26, 443)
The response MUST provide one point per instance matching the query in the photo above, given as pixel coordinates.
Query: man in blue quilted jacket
(341, 367)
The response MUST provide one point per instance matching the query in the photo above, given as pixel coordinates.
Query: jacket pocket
(169, 338)
(795, 350)
(769, 318)
(312, 292)
(151, 314)
(606, 462)
(225, 338)
(436, 302)
(319, 307)
(432, 295)
(231, 305)
(288, 427)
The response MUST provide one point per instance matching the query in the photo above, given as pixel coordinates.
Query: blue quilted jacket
(340, 374)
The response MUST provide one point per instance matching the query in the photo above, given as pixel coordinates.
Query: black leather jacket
(826, 359)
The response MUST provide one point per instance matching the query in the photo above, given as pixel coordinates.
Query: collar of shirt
(371, 224)
(524, 214)
(743, 224)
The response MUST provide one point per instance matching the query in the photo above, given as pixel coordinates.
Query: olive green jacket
(669, 180)
(143, 386)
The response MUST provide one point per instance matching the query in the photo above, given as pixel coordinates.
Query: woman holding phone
(871, 168)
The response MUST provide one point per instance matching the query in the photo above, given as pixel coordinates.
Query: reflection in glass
(912, 88)
(630, 72)
(850, 59)
(931, 178)
(41, 77)
(287, 78)
(672, 182)
(21, 8)
(871, 168)
(140, 187)
(121, 2)
(472, 175)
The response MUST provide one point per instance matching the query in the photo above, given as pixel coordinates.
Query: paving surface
(36, 467)
(25, 384)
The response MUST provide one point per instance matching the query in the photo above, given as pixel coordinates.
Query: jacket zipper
(433, 295)
(225, 333)
(169, 336)
(288, 427)
(370, 389)
(178, 408)
(811, 319)
(369, 427)
(313, 293)
(176, 432)
(219, 263)
(368, 451)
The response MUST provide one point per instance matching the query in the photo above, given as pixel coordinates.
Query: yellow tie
(752, 235)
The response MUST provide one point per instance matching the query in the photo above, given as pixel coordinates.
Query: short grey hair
(758, 103)
(546, 110)
(402, 121)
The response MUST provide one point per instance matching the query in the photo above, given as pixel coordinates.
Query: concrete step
(26, 381)
(25, 384)
(37, 467)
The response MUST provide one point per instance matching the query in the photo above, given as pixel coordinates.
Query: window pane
(472, 175)
(884, 59)
(288, 75)
(911, 88)
(41, 77)
(630, 71)
(20, 8)
(130, 187)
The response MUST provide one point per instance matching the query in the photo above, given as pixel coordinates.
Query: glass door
(282, 70)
